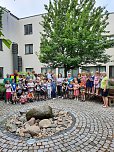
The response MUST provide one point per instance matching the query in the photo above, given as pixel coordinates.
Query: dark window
(1, 72)
(1, 49)
(28, 48)
(28, 29)
(43, 70)
(111, 71)
(29, 69)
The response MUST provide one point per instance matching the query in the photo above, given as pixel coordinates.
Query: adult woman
(104, 89)
(59, 84)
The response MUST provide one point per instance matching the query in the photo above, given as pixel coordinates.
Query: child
(30, 86)
(23, 98)
(44, 89)
(8, 91)
(70, 90)
(30, 96)
(82, 90)
(92, 83)
(88, 83)
(97, 82)
(83, 77)
(76, 90)
(37, 89)
(49, 89)
(64, 88)
(19, 90)
(13, 85)
(15, 99)
(53, 92)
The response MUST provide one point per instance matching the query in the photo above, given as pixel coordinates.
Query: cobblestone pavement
(93, 130)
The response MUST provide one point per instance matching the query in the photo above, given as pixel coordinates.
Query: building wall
(10, 31)
(110, 51)
(30, 60)
(13, 29)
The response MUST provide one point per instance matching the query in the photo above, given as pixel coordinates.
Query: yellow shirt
(104, 84)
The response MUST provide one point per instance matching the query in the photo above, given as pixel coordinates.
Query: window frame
(27, 29)
(29, 69)
(110, 71)
(1, 45)
(29, 49)
(2, 72)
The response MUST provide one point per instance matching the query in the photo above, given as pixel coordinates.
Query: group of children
(49, 86)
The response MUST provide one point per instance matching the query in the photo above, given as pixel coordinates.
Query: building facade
(25, 35)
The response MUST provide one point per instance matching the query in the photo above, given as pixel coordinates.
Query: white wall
(110, 51)
(10, 31)
(13, 28)
(30, 60)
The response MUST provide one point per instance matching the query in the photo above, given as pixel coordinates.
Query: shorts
(96, 86)
(82, 89)
(104, 94)
(88, 84)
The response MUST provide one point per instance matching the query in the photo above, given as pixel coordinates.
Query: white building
(25, 32)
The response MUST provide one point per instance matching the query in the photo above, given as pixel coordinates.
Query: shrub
(2, 88)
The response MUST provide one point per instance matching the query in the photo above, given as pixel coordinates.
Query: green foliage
(111, 83)
(74, 34)
(2, 88)
(5, 41)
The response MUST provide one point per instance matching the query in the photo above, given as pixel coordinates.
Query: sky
(24, 8)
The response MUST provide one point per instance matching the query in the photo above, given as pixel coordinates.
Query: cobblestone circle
(93, 130)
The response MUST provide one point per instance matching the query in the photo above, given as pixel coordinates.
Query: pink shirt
(83, 78)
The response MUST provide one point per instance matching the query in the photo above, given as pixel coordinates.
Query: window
(1, 49)
(43, 70)
(74, 72)
(111, 71)
(93, 69)
(61, 70)
(28, 48)
(1, 72)
(29, 69)
(28, 29)
(46, 69)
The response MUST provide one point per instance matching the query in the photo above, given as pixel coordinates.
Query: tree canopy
(74, 34)
(7, 42)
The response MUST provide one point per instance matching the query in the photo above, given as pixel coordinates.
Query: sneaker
(105, 106)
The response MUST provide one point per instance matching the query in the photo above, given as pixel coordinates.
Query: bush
(111, 82)
(2, 88)
(2, 91)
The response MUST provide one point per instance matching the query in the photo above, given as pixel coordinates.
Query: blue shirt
(13, 86)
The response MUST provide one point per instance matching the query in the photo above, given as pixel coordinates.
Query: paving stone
(92, 131)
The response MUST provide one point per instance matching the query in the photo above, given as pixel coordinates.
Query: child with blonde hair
(82, 90)
(97, 82)
(76, 89)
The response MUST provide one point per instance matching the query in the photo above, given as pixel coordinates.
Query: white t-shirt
(31, 86)
(48, 85)
(59, 81)
(8, 87)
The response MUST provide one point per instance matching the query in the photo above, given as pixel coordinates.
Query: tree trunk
(65, 71)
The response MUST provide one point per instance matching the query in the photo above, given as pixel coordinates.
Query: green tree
(7, 42)
(74, 34)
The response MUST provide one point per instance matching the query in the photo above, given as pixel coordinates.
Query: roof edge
(32, 16)
(5, 9)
